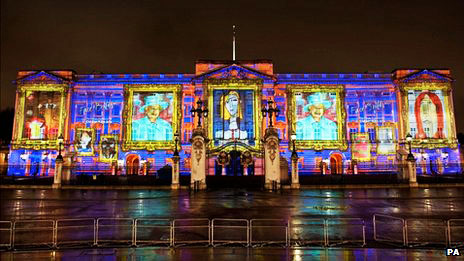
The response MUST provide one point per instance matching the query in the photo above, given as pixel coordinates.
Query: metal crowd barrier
(230, 231)
(342, 231)
(422, 232)
(455, 232)
(393, 232)
(33, 233)
(151, 231)
(268, 231)
(191, 231)
(6, 234)
(115, 231)
(75, 232)
(85, 232)
(307, 232)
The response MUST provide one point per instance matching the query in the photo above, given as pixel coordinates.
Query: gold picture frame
(340, 143)
(235, 84)
(428, 143)
(101, 149)
(80, 151)
(129, 90)
(18, 141)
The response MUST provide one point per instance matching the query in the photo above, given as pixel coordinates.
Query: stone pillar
(57, 177)
(295, 178)
(271, 159)
(66, 171)
(175, 172)
(198, 159)
(412, 172)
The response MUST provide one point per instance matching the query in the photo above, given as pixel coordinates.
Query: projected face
(152, 116)
(233, 116)
(153, 112)
(316, 116)
(317, 111)
(232, 104)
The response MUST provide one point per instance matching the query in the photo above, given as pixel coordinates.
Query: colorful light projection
(39, 116)
(152, 116)
(233, 105)
(361, 147)
(108, 148)
(42, 115)
(386, 140)
(233, 116)
(83, 141)
(317, 116)
(427, 115)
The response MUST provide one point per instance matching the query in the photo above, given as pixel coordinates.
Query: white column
(271, 159)
(198, 159)
(57, 177)
(295, 178)
(175, 172)
(412, 175)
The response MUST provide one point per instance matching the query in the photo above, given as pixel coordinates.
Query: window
(371, 134)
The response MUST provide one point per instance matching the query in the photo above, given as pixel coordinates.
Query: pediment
(234, 71)
(42, 77)
(425, 76)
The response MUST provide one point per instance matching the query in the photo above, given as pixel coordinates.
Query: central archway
(132, 164)
(336, 161)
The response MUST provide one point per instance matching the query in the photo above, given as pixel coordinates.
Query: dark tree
(461, 138)
(6, 129)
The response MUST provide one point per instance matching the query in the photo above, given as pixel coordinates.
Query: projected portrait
(386, 140)
(361, 147)
(41, 115)
(233, 116)
(108, 148)
(427, 115)
(83, 141)
(316, 116)
(152, 117)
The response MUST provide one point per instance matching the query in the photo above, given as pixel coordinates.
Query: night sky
(168, 36)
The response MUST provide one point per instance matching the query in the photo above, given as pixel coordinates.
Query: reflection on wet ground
(218, 254)
(442, 203)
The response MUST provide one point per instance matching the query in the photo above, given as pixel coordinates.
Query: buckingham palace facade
(338, 123)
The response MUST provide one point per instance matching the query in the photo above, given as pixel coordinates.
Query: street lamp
(60, 143)
(409, 140)
(199, 111)
(270, 110)
(293, 137)
(176, 140)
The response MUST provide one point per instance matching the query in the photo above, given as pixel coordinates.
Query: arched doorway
(336, 161)
(132, 164)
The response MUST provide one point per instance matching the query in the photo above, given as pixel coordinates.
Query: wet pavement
(443, 203)
(230, 254)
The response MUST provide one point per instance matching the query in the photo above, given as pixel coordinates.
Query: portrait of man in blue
(152, 127)
(316, 126)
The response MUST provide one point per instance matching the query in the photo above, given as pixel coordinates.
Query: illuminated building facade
(348, 123)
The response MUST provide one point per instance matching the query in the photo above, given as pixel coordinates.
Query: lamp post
(293, 137)
(295, 180)
(60, 143)
(409, 140)
(199, 111)
(270, 110)
(176, 141)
